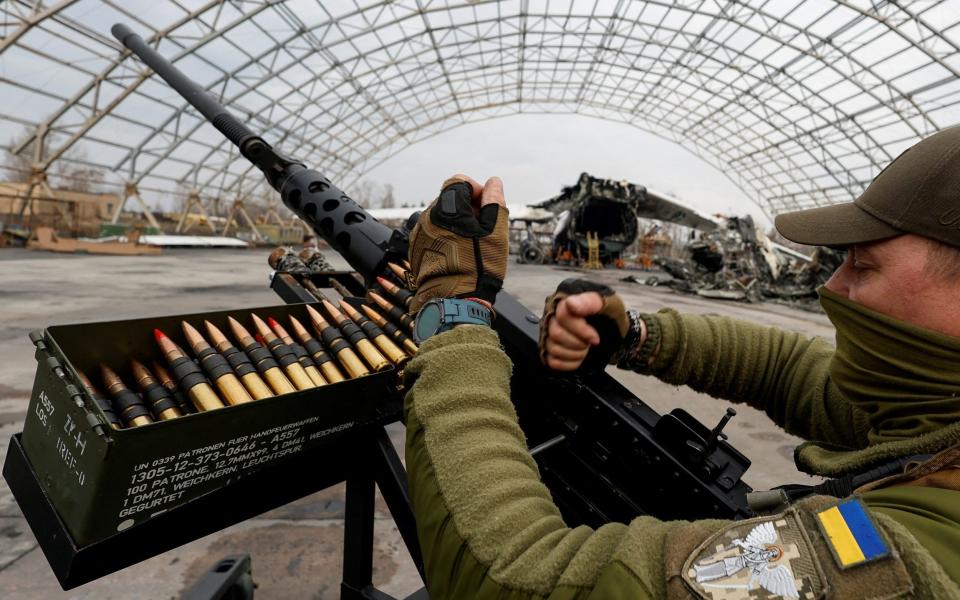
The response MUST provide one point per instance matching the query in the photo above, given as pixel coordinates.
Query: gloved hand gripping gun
(605, 455)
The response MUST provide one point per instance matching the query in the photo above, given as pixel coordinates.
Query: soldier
(890, 389)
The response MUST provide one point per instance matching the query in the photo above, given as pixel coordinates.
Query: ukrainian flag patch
(851, 534)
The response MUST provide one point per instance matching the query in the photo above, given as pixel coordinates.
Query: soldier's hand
(583, 322)
(459, 247)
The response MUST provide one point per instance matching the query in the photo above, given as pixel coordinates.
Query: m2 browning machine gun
(604, 454)
(101, 495)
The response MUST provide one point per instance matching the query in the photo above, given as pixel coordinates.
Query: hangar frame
(799, 103)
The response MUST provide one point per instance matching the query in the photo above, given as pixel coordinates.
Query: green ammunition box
(102, 480)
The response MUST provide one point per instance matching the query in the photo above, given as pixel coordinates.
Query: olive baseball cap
(919, 192)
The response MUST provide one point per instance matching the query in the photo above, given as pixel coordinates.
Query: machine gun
(604, 454)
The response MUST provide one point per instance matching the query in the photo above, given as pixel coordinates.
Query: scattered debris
(739, 262)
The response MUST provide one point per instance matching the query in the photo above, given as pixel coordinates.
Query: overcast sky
(538, 154)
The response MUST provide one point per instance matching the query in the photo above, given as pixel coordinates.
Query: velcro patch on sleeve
(757, 559)
(851, 534)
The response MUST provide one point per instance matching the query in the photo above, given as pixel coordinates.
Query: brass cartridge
(323, 360)
(401, 273)
(340, 347)
(308, 285)
(189, 376)
(340, 289)
(167, 381)
(161, 402)
(284, 355)
(390, 329)
(102, 402)
(216, 367)
(240, 362)
(403, 296)
(406, 264)
(301, 353)
(132, 411)
(386, 346)
(393, 312)
(357, 338)
(262, 359)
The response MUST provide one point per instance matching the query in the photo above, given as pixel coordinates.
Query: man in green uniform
(891, 389)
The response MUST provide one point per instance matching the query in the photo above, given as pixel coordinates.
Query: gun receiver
(605, 454)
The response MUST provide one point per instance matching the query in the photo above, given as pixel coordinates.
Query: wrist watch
(442, 314)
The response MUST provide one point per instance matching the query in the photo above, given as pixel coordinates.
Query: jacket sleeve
(780, 372)
(486, 523)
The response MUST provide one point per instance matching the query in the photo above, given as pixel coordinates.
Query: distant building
(79, 206)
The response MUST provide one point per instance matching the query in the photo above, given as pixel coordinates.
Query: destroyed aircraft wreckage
(609, 209)
(736, 261)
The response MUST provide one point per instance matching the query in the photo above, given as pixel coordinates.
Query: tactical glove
(454, 252)
(611, 322)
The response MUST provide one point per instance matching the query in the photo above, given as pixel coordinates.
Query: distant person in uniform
(890, 389)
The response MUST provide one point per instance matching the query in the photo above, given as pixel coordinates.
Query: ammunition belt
(282, 352)
(239, 361)
(262, 358)
(130, 406)
(316, 350)
(159, 398)
(370, 328)
(352, 332)
(332, 338)
(213, 363)
(188, 374)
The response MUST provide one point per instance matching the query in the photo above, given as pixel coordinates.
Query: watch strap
(454, 311)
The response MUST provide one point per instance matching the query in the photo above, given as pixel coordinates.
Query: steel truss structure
(800, 102)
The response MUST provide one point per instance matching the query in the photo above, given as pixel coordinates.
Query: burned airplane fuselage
(603, 207)
(609, 209)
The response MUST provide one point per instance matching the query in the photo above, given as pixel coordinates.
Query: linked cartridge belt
(188, 374)
(214, 363)
(261, 357)
(159, 398)
(282, 352)
(130, 406)
(239, 361)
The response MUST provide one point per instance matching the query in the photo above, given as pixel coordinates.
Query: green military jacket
(488, 527)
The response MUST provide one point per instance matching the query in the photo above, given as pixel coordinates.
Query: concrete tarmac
(296, 548)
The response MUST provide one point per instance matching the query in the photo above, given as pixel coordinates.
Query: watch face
(428, 321)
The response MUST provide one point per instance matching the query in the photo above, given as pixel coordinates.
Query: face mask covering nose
(906, 378)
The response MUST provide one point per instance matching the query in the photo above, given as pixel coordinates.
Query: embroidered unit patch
(759, 559)
(851, 534)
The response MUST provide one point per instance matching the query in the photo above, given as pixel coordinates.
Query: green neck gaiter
(906, 378)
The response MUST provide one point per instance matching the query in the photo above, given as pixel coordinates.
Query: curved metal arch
(95, 118)
(799, 83)
(584, 84)
(599, 53)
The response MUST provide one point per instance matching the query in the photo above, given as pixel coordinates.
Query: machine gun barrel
(611, 457)
(363, 241)
(226, 123)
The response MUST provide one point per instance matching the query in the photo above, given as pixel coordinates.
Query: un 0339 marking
(158, 483)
